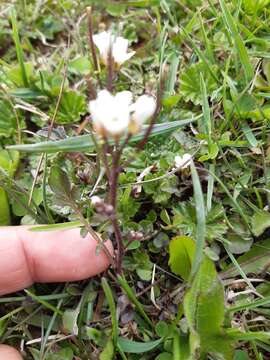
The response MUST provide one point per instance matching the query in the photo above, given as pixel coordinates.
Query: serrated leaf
(190, 83)
(72, 106)
(181, 250)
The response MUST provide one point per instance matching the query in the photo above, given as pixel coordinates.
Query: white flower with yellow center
(113, 115)
(183, 162)
(105, 41)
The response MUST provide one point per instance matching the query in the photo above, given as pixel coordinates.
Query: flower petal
(143, 108)
(124, 98)
(119, 50)
(103, 42)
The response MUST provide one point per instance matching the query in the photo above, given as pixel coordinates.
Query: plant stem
(113, 180)
(91, 42)
(110, 70)
(92, 233)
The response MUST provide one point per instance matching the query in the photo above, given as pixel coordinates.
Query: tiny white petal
(103, 42)
(143, 109)
(124, 97)
(95, 200)
(182, 162)
(97, 109)
(119, 50)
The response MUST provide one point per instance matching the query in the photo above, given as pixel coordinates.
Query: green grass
(212, 59)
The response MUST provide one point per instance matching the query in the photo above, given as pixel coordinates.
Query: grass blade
(109, 296)
(239, 44)
(18, 47)
(201, 225)
(133, 298)
(85, 142)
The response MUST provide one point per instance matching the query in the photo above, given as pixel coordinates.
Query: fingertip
(64, 255)
(9, 353)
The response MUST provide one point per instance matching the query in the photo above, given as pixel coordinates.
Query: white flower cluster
(105, 41)
(113, 115)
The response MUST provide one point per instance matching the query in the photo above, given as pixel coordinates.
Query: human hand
(52, 256)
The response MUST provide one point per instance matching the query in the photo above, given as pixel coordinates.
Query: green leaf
(164, 356)
(231, 25)
(109, 296)
(115, 9)
(63, 354)
(133, 298)
(181, 348)
(260, 222)
(80, 65)
(14, 73)
(207, 125)
(72, 106)
(108, 351)
(70, 318)
(240, 354)
(53, 227)
(162, 329)
(5, 218)
(8, 122)
(211, 154)
(236, 334)
(256, 260)
(59, 182)
(18, 47)
(135, 347)
(190, 83)
(8, 162)
(204, 309)
(181, 250)
(252, 6)
(201, 221)
(85, 142)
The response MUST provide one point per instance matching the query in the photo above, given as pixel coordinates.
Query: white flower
(96, 200)
(114, 115)
(103, 42)
(119, 47)
(182, 162)
(110, 113)
(119, 50)
(142, 110)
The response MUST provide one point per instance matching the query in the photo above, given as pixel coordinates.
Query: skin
(54, 256)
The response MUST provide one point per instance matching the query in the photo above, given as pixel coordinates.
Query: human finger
(51, 256)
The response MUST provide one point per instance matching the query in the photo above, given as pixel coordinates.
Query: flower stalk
(117, 116)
